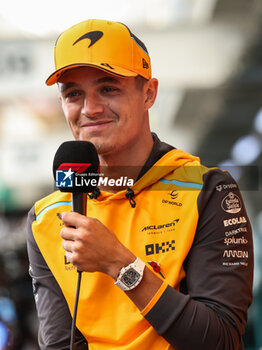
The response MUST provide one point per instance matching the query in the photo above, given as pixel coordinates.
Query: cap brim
(114, 70)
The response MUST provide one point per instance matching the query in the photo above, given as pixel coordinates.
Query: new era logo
(145, 64)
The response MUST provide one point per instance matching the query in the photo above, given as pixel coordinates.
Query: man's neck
(126, 164)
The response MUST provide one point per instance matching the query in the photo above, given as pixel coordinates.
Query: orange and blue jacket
(190, 222)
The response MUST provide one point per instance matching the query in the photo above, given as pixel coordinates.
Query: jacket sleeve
(210, 310)
(52, 310)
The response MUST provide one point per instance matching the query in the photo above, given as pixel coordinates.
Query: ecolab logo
(235, 221)
(65, 172)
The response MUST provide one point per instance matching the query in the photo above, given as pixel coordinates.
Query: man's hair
(140, 81)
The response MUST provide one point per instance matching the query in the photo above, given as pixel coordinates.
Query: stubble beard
(102, 145)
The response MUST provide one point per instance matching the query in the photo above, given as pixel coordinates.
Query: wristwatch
(131, 275)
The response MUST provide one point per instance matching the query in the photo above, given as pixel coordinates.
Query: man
(168, 262)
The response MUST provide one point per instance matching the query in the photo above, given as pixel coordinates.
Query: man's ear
(150, 92)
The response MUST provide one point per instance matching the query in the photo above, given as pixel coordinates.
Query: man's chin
(104, 149)
(102, 146)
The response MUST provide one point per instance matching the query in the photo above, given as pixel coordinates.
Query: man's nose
(92, 106)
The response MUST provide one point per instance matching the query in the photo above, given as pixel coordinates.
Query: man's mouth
(96, 125)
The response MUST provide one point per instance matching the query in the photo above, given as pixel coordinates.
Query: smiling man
(106, 110)
(159, 273)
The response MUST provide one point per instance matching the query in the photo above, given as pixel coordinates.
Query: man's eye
(107, 89)
(73, 94)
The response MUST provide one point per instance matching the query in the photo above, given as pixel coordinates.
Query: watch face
(130, 277)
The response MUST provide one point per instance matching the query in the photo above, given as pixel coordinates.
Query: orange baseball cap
(106, 45)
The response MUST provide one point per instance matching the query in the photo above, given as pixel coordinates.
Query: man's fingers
(71, 219)
(68, 233)
(68, 245)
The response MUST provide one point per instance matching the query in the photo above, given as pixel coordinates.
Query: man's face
(107, 110)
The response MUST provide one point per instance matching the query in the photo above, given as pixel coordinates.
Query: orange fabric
(159, 229)
(156, 297)
(107, 45)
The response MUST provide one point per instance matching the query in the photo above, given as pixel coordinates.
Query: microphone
(75, 170)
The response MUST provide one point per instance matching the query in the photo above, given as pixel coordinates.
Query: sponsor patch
(68, 265)
(159, 248)
(231, 203)
(170, 226)
(235, 221)
(173, 195)
(234, 240)
(238, 254)
(219, 188)
(236, 231)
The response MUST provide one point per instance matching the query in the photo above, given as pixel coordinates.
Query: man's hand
(91, 246)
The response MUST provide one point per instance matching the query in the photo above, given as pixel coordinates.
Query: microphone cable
(73, 327)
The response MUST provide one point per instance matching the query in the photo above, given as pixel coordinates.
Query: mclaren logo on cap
(93, 36)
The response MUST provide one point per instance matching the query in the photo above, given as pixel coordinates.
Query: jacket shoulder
(186, 167)
(51, 199)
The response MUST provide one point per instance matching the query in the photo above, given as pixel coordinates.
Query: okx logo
(66, 173)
